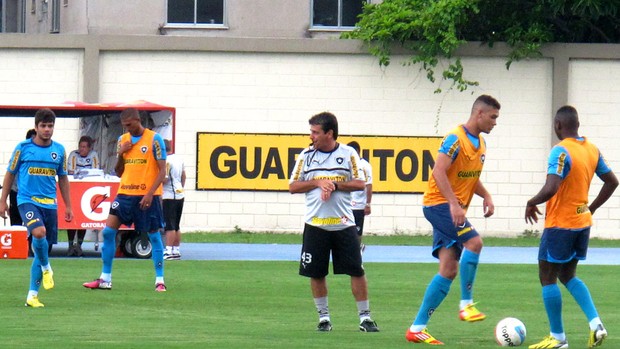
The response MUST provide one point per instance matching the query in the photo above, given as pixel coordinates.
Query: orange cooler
(13, 242)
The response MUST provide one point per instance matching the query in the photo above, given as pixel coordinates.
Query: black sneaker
(324, 326)
(368, 326)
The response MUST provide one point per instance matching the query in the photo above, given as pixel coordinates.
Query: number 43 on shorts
(306, 258)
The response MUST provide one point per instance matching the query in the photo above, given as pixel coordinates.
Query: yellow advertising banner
(245, 161)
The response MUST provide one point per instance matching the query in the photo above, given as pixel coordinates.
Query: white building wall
(38, 77)
(277, 93)
(595, 92)
(267, 93)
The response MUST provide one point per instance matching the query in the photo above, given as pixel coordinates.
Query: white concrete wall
(38, 77)
(277, 93)
(595, 92)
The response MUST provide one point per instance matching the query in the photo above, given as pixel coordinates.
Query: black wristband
(335, 186)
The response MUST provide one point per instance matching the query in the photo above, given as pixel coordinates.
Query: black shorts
(359, 221)
(173, 209)
(344, 246)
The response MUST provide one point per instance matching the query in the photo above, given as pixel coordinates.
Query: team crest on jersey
(88, 161)
(143, 149)
(339, 160)
(29, 215)
(482, 157)
(54, 155)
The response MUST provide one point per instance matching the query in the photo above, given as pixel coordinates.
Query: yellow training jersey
(141, 166)
(464, 172)
(568, 208)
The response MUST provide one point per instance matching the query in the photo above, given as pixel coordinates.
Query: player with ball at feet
(455, 180)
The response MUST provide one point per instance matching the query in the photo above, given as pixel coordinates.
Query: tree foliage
(434, 29)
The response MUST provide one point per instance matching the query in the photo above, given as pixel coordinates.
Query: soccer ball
(510, 332)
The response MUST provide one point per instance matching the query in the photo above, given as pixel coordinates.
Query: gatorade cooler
(13, 242)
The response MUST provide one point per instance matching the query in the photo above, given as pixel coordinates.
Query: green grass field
(235, 304)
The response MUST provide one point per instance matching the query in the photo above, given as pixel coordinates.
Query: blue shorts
(445, 234)
(127, 209)
(34, 216)
(563, 245)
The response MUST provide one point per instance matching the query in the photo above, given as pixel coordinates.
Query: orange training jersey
(464, 172)
(141, 166)
(568, 208)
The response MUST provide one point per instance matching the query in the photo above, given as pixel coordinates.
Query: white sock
(106, 277)
(32, 293)
(417, 328)
(559, 336)
(465, 302)
(159, 280)
(595, 322)
(168, 249)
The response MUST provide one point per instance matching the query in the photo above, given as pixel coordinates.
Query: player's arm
(558, 167)
(440, 174)
(183, 177)
(300, 186)
(487, 200)
(610, 183)
(121, 148)
(71, 167)
(65, 190)
(9, 178)
(551, 186)
(96, 162)
(358, 178)
(6, 189)
(367, 209)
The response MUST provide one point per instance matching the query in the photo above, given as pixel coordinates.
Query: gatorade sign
(242, 161)
(91, 203)
(13, 242)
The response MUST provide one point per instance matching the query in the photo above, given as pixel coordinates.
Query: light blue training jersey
(36, 168)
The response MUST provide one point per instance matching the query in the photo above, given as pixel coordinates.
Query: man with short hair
(36, 162)
(83, 158)
(455, 180)
(327, 172)
(141, 164)
(571, 166)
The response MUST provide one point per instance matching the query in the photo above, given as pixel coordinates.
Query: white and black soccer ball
(510, 332)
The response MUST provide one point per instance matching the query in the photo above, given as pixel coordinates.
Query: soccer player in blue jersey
(571, 166)
(38, 161)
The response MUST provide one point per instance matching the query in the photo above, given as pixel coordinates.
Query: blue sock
(36, 274)
(553, 304)
(582, 296)
(158, 253)
(436, 292)
(108, 249)
(40, 247)
(468, 268)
